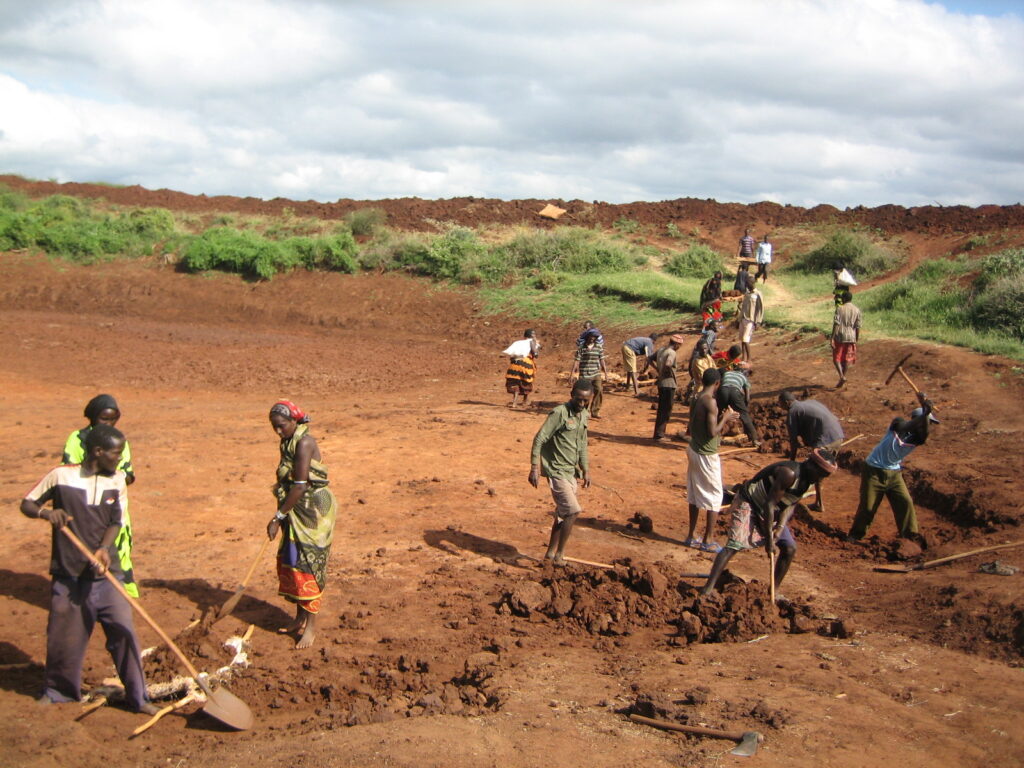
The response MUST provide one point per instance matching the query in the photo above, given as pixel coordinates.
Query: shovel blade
(747, 746)
(230, 604)
(224, 706)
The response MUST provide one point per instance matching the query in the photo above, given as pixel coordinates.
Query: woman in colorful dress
(522, 367)
(306, 510)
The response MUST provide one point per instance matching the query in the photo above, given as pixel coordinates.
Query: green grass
(977, 304)
(567, 272)
(615, 298)
(974, 304)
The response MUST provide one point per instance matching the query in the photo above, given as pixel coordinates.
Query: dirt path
(404, 385)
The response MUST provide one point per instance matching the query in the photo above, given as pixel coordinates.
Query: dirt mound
(739, 612)
(601, 602)
(199, 645)
(637, 595)
(373, 689)
(412, 213)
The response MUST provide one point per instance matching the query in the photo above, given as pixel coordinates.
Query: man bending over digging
(560, 454)
(762, 507)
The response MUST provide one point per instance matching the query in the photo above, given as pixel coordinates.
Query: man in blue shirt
(882, 476)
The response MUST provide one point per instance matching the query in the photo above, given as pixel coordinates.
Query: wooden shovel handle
(255, 562)
(696, 730)
(131, 601)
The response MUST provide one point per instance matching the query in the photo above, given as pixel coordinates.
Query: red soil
(421, 649)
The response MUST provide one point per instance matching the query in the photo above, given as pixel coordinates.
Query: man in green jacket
(560, 454)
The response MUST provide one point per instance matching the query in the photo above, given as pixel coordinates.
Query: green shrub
(365, 221)
(336, 253)
(447, 256)
(566, 249)
(246, 253)
(547, 279)
(994, 267)
(851, 249)
(147, 223)
(1000, 307)
(12, 201)
(626, 226)
(976, 241)
(673, 230)
(16, 231)
(696, 261)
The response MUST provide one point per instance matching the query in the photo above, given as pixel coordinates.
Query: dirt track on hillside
(443, 643)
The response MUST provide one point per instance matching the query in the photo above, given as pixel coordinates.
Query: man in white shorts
(703, 467)
(560, 454)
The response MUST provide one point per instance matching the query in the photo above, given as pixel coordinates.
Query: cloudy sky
(845, 102)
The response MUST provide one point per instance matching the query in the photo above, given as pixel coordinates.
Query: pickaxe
(748, 740)
(899, 369)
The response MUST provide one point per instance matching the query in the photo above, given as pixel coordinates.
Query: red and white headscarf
(291, 410)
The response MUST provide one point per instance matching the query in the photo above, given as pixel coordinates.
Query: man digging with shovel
(87, 498)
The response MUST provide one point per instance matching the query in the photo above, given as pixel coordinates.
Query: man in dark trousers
(589, 365)
(813, 423)
(559, 453)
(735, 393)
(882, 475)
(87, 499)
(665, 363)
(761, 510)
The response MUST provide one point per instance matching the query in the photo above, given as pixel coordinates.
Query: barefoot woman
(305, 516)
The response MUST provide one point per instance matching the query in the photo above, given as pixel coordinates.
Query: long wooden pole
(132, 602)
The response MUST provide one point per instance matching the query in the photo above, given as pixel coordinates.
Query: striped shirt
(590, 359)
(747, 244)
(735, 379)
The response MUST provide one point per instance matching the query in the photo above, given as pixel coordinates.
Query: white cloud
(801, 101)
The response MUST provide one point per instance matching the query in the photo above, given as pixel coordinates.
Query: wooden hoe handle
(132, 601)
(692, 729)
(950, 558)
(913, 386)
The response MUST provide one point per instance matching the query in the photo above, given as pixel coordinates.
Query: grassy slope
(642, 296)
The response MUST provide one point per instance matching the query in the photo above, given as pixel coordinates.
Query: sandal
(693, 543)
(711, 547)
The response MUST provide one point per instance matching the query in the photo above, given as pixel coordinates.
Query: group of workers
(761, 507)
(88, 499)
(86, 502)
